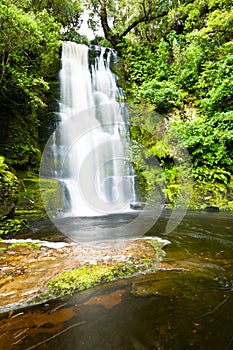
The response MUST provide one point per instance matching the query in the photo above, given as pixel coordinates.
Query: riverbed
(187, 303)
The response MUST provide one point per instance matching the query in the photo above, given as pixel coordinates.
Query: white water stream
(90, 147)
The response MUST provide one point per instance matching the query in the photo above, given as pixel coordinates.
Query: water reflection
(188, 304)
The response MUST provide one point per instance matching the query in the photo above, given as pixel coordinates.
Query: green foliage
(209, 140)
(29, 45)
(188, 65)
(186, 74)
(29, 55)
(163, 170)
(177, 57)
(64, 11)
(162, 95)
(218, 27)
(3, 166)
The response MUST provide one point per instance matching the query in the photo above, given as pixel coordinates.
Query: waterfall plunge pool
(186, 304)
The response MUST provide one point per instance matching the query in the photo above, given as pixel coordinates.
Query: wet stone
(26, 268)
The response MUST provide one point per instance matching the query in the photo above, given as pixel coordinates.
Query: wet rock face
(8, 192)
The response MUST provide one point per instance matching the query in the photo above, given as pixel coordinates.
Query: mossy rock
(90, 275)
(37, 196)
(11, 227)
(9, 186)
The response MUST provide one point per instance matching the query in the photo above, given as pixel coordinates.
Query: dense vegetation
(30, 41)
(177, 58)
(29, 50)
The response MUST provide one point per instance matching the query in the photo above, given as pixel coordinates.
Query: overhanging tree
(119, 18)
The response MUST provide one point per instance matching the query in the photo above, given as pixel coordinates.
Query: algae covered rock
(38, 196)
(8, 190)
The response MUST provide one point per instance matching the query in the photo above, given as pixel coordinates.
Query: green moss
(35, 194)
(51, 195)
(11, 227)
(90, 275)
(27, 245)
(8, 190)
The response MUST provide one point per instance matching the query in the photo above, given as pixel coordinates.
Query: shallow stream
(186, 304)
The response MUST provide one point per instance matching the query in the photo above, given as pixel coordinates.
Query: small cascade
(91, 146)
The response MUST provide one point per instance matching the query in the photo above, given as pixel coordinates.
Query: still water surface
(187, 304)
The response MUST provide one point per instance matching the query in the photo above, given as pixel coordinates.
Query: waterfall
(91, 146)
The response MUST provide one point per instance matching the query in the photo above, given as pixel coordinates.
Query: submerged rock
(212, 209)
(32, 271)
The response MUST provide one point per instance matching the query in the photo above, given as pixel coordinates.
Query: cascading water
(90, 147)
(89, 154)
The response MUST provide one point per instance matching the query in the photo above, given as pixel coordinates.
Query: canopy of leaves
(28, 45)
